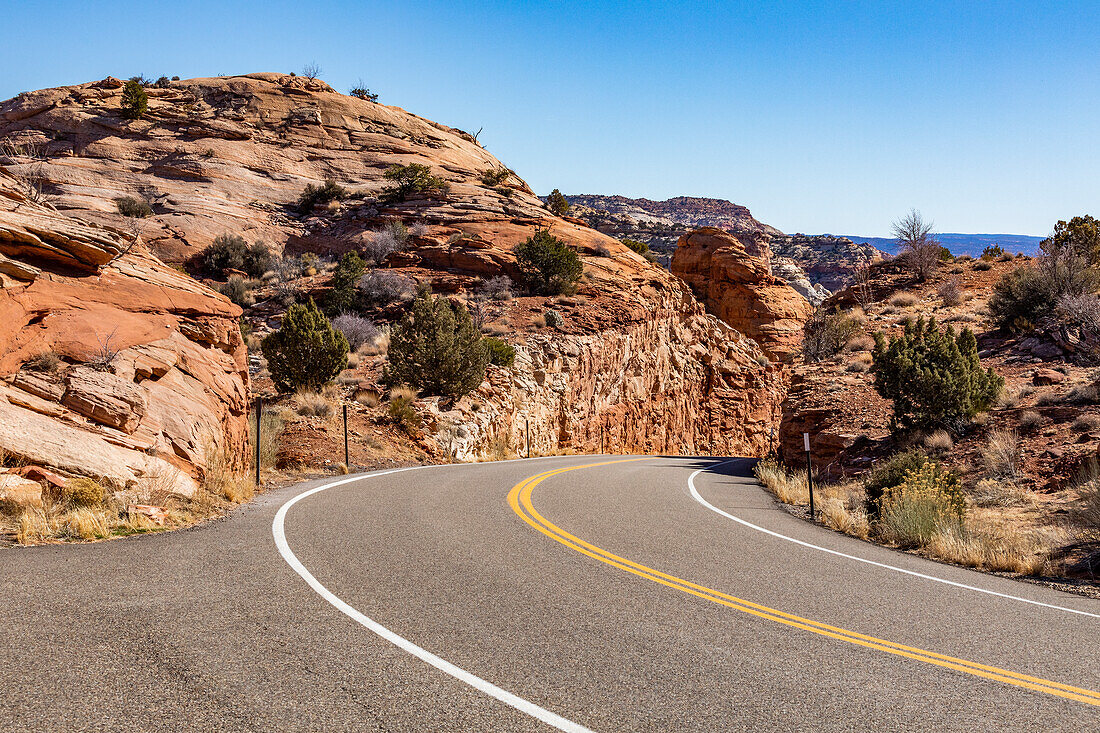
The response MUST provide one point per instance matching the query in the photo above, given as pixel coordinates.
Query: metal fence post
(528, 423)
(259, 411)
(347, 460)
(809, 472)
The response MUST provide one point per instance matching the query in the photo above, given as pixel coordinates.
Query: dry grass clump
(983, 265)
(789, 488)
(1029, 421)
(1001, 454)
(46, 361)
(313, 404)
(993, 493)
(859, 364)
(1085, 423)
(368, 397)
(950, 292)
(220, 479)
(902, 300)
(402, 410)
(271, 427)
(939, 442)
(989, 548)
(860, 343)
(82, 510)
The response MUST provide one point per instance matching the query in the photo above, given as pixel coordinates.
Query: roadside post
(259, 411)
(527, 422)
(347, 461)
(809, 472)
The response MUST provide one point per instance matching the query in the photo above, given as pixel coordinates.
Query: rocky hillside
(113, 366)
(1026, 465)
(634, 359)
(815, 265)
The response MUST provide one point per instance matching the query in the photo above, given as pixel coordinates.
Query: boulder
(731, 274)
(1046, 377)
(20, 492)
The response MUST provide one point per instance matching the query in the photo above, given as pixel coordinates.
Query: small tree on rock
(345, 277)
(306, 351)
(436, 349)
(557, 203)
(135, 102)
(548, 265)
(934, 377)
(413, 178)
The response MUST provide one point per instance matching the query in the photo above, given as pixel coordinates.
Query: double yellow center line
(519, 498)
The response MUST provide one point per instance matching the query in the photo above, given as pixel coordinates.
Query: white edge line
(524, 706)
(708, 505)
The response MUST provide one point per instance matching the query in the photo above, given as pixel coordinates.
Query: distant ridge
(962, 244)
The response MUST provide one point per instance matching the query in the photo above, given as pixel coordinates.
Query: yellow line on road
(519, 498)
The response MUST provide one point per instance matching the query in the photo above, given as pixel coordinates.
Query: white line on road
(524, 706)
(708, 505)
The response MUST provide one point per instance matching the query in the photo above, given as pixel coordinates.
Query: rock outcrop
(829, 262)
(113, 365)
(731, 274)
(636, 355)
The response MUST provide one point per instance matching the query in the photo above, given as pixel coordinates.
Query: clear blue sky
(820, 117)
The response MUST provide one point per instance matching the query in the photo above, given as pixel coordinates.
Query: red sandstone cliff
(731, 274)
(152, 368)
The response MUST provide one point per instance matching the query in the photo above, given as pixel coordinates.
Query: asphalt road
(470, 598)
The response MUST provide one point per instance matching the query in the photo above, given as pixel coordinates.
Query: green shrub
(493, 177)
(934, 377)
(928, 501)
(306, 351)
(83, 492)
(361, 91)
(329, 191)
(640, 247)
(232, 252)
(135, 102)
(992, 252)
(548, 265)
(345, 277)
(1020, 298)
(557, 203)
(1081, 234)
(825, 334)
(553, 318)
(413, 178)
(983, 265)
(501, 353)
(133, 207)
(888, 474)
(436, 349)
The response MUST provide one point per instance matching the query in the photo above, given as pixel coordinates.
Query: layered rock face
(829, 262)
(637, 354)
(149, 374)
(661, 376)
(731, 275)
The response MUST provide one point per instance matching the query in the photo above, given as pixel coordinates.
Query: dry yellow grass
(313, 404)
(979, 541)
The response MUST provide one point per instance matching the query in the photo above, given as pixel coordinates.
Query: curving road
(579, 593)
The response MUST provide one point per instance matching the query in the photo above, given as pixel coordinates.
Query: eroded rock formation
(149, 374)
(636, 355)
(731, 275)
